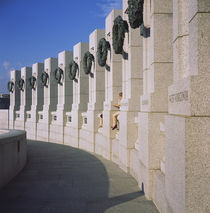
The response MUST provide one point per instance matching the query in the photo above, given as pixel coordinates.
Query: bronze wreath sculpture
(102, 51)
(87, 62)
(20, 84)
(10, 86)
(32, 81)
(135, 13)
(44, 79)
(119, 29)
(58, 75)
(73, 67)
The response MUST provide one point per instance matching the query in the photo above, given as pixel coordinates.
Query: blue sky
(33, 30)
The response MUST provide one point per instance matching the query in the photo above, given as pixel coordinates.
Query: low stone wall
(13, 154)
(4, 118)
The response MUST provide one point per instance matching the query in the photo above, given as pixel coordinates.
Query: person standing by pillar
(115, 115)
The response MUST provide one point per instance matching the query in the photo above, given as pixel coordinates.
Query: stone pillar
(113, 86)
(132, 84)
(187, 126)
(80, 98)
(37, 101)
(157, 76)
(50, 100)
(14, 97)
(58, 118)
(25, 99)
(96, 96)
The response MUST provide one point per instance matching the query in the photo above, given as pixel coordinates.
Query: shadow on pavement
(62, 179)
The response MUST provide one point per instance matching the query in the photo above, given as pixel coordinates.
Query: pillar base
(186, 170)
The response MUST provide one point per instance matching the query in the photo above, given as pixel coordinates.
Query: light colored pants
(101, 120)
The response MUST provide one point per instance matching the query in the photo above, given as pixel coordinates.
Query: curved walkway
(62, 179)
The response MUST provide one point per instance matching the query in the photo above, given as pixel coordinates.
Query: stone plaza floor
(62, 179)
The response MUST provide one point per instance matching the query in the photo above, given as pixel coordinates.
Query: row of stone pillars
(164, 115)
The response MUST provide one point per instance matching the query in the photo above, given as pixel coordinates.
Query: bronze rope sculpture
(119, 29)
(44, 79)
(135, 13)
(58, 74)
(102, 51)
(73, 67)
(87, 62)
(32, 81)
(20, 84)
(10, 86)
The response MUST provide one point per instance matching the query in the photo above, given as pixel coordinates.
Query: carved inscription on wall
(178, 97)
